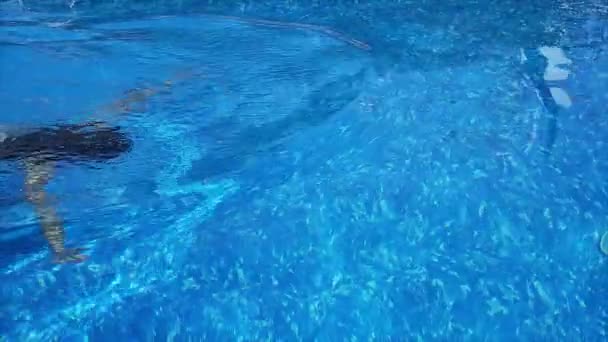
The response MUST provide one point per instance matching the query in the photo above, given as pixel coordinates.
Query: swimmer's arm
(125, 105)
(137, 96)
(37, 176)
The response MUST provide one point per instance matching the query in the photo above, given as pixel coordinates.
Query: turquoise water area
(341, 170)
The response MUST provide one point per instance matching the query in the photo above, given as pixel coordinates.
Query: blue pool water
(348, 170)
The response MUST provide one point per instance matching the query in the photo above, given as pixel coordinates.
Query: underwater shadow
(232, 147)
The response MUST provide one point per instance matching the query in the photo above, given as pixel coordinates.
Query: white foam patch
(555, 55)
(561, 97)
(555, 73)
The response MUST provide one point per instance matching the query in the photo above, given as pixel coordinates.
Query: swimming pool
(405, 170)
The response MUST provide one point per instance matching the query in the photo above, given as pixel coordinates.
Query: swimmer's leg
(552, 113)
(38, 173)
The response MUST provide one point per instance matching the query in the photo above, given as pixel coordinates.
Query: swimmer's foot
(72, 255)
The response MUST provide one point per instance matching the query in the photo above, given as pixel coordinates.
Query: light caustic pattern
(321, 195)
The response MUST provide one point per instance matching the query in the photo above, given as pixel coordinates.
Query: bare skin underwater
(37, 151)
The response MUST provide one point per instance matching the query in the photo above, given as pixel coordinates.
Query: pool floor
(365, 171)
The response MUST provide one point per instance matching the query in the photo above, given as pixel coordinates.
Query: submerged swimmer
(37, 151)
(548, 73)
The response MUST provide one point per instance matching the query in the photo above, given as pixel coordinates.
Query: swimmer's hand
(72, 255)
(182, 75)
